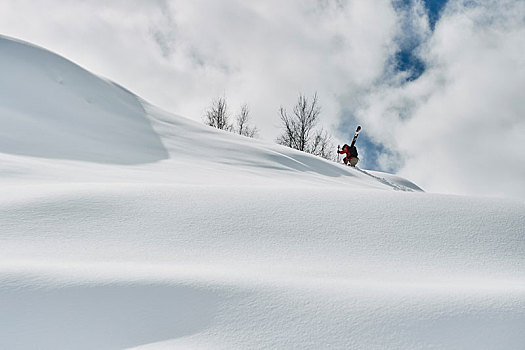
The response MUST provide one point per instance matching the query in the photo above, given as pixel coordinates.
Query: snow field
(264, 273)
(126, 227)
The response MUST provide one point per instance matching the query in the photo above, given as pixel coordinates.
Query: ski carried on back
(355, 135)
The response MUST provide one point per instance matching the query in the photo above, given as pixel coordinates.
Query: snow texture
(126, 227)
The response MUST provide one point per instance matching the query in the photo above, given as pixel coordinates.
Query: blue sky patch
(407, 61)
(434, 8)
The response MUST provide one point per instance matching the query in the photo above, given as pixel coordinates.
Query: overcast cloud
(442, 104)
(460, 127)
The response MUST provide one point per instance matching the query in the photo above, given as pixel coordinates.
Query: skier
(350, 151)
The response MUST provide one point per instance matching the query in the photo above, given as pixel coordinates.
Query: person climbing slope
(350, 151)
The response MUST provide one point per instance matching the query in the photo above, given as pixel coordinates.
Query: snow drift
(123, 226)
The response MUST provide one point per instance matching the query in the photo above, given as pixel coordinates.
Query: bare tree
(299, 128)
(217, 115)
(242, 127)
(322, 145)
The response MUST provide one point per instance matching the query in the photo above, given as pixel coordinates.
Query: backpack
(353, 151)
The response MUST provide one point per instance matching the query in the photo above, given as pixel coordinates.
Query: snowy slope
(58, 116)
(123, 226)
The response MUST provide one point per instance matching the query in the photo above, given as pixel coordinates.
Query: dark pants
(352, 160)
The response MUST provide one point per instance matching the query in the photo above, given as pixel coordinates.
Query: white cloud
(181, 54)
(461, 126)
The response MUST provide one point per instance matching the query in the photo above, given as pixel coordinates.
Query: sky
(437, 85)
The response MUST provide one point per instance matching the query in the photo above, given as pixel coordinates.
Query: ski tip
(358, 128)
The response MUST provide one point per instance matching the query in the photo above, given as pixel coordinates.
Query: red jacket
(351, 151)
(344, 150)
